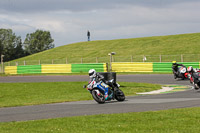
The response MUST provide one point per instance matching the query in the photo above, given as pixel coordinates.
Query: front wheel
(119, 95)
(175, 76)
(98, 96)
(196, 87)
(182, 76)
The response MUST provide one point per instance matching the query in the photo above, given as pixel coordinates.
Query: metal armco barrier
(11, 70)
(53, 68)
(29, 69)
(56, 68)
(148, 67)
(132, 67)
(167, 67)
(99, 67)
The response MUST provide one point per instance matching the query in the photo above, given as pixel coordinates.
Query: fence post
(24, 63)
(39, 62)
(160, 58)
(2, 63)
(107, 67)
(181, 58)
(144, 58)
(131, 58)
(111, 62)
(96, 59)
(81, 60)
(66, 61)
(52, 61)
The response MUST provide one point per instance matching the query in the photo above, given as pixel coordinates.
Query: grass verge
(157, 45)
(20, 94)
(168, 121)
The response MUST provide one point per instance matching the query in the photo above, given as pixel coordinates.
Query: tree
(38, 41)
(10, 45)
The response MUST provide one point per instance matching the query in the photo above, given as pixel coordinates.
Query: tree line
(12, 47)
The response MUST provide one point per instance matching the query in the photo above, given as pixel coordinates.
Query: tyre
(182, 77)
(119, 95)
(175, 76)
(196, 87)
(98, 96)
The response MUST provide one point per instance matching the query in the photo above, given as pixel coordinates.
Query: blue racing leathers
(101, 83)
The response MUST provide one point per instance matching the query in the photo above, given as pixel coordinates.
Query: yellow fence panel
(105, 67)
(11, 70)
(56, 68)
(132, 67)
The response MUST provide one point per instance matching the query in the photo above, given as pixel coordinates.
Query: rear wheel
(119, 95)
(98, 96)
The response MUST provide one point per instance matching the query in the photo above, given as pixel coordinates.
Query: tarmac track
(184, 99)
(145, 78)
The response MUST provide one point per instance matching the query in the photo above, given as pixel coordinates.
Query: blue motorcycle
(97, 89)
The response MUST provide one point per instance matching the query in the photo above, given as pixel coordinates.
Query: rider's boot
(110, 96)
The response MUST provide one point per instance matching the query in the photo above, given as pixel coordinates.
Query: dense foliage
(38, 41)
(11, 46)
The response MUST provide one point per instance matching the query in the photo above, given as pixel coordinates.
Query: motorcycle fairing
(102, 86)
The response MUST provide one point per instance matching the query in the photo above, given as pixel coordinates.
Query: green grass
(165, 45)
(20, 94)
(169, 121)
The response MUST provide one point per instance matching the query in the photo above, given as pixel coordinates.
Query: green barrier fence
(162, 67)
(193, 64)
(55, 68)
(167, 67)
(29, 69)
(99, 67)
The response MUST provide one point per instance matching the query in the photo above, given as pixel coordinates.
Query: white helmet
(92, 73)
(190, 69)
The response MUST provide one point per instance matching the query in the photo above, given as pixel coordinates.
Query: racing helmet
(92, 73)
(190, 69)
(174, 62)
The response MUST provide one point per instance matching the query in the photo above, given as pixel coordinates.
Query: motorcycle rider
(175, 68)
(98, 77)
(191, 71)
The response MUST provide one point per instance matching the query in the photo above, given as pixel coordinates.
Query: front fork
(98, 92)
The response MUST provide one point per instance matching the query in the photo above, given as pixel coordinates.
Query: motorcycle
(195, 80)
(182, 73)
(97, 91)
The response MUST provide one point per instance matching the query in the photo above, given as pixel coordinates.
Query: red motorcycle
(182, 73)
(194, 78)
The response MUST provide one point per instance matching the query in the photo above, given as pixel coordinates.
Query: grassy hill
(165, 45)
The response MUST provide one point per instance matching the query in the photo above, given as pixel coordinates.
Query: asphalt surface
(190, 98)
(146, 78)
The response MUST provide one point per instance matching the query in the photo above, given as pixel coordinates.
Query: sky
(69, 20)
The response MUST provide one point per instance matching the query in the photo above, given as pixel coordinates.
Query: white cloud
(117, 19)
